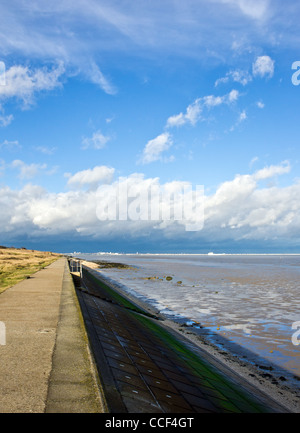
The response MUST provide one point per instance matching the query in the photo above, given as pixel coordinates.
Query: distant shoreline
(181, 254)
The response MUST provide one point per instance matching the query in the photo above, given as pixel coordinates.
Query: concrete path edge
(74, 385)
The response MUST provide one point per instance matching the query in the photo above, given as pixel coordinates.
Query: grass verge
(17, 264)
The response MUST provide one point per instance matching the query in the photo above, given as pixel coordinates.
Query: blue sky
(101, 93)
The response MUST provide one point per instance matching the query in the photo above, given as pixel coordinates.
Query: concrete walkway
(44, 326)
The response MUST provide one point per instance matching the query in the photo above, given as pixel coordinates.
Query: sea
(243, 303)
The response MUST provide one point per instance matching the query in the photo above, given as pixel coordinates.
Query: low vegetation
(104, 264)
(17, 264)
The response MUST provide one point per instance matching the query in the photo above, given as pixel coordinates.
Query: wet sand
(265, 377)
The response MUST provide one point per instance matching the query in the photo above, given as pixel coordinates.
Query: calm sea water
(250, 300)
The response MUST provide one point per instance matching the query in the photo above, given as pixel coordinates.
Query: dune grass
(17, 264)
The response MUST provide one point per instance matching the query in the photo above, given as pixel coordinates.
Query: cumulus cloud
(23, 83)
(240, 208)
(91, 177)
(263, 66)
(194, 110)
(193, 114)
(273, 170)
(154, 148)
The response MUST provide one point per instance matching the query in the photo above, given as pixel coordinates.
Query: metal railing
(75, 266)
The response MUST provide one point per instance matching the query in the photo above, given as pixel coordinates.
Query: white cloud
(255, 9)
(243, 116)
(222, 80)
(194, 110)
(178, 119)
(213, 101)
(23, 83)
(81, 33)
(238, 76)
(191, 116)
(273, 170)
(84, 34)
(6, 120)
(91, 177)
(154, 148)
(233, 96)
(27, 171)
(263, 66)
(10, 145)
(260, 104)
(96, 76)
(46, 150)
(97, 141)
(239, 209)
(242, 210)
(109, 119)
(242, 77)
(253, 161)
